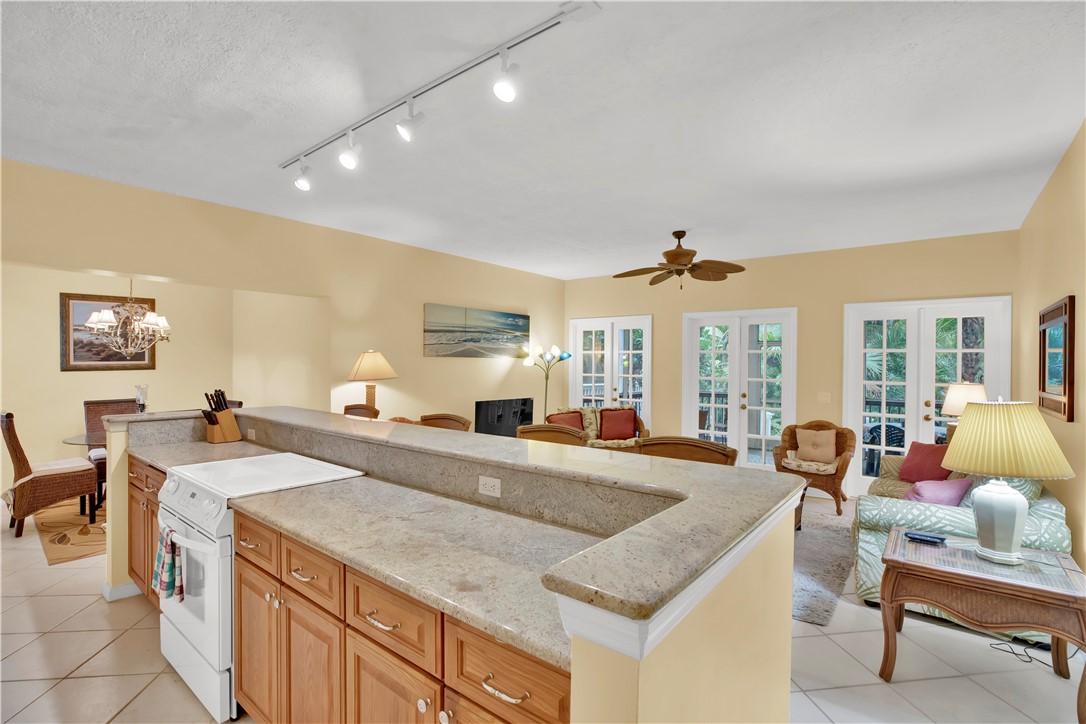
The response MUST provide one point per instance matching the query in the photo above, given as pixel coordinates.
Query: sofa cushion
(924, 461)
(614, 444)
(618, 423)
(588, 420)
(793, 462)
(940, 492)
(816, 446)
(569, 419)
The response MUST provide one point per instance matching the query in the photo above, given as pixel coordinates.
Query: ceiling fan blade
(662, 276)
(636, 272)
(723, 266)
(707, 275)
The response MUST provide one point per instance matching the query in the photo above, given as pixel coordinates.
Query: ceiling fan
(679, 261)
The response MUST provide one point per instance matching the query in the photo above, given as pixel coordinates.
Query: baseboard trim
(116, 593)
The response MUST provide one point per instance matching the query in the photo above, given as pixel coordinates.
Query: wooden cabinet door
(311, 662)
(256, 641)
(138, 565)
(381, 687)
(462, 710)
(152, 535)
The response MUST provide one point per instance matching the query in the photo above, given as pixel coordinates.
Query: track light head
(408, 126)
(349, 157)
(505, 87)
(303, 182)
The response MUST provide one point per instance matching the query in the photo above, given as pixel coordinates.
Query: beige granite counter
(478, 565)
(171, 454)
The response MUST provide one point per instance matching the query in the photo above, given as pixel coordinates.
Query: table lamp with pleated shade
(1004, 439)
(369, 368)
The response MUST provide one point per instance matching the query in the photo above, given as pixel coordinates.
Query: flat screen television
(503, 417)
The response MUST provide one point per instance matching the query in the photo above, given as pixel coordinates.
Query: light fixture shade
(505, 87)
(408, 126)
(371, 366)
(959, 395)
(348, 157)
(107, 319)
(1006, 439)
(303, 182)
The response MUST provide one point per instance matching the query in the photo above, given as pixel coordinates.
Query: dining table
(89, 439)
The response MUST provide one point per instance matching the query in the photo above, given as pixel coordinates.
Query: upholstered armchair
(827, 477)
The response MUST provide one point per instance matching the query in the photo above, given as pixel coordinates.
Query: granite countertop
(636, 572)
(478, 565)
(171, 454)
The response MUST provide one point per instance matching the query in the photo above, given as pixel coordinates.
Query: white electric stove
(197, 633)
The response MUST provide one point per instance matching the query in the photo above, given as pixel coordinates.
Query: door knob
(927, 418)
(614, 399)
(743, 406)
(743, 395)
(267, 596)
(445, 717)
(423, 705)
(927, 403)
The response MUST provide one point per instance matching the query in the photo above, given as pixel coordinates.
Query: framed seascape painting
(465, 332)
(82, 351)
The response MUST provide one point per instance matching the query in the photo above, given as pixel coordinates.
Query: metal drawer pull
(504, 697)
(445, 717)
(152, 491)
(244, 543)
(302, 578)
(423, 705)
(384, 627)
(134, 475)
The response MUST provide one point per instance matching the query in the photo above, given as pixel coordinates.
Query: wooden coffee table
(1047, 593)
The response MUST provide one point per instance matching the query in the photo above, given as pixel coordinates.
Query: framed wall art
(80, 350)
(1056, 344)
(464, 332)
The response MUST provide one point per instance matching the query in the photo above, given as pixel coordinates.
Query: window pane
(720, 337)
(895, 334)
(895, 432)
(705, 364)
(946, 366)
(973, 332)
(599, 339)
(756, 365)
(895, 366)
(773, 366)
(754, 422)
(873, 366)
(637, 364)
(946, 333)
(756, 339)
(638, 339)
(873, 334)
(586, 340)
(773, 394)
(973, 367)
(754, 393)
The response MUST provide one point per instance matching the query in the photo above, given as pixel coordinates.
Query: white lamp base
(1007, 559)
(1000, 512)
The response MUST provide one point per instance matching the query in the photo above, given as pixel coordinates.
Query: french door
(612, 363)
(900, 359)
(739, 379)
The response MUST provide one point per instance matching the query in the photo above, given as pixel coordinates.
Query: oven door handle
(192, 545)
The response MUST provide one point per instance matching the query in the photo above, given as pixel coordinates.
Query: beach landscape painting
(464, 332)
(82, 351)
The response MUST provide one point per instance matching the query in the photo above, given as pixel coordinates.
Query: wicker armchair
(446, 420)
(688, 448)
(831, 482)
(93, 410)
(560, 434)
(361, 410)
(40, 485)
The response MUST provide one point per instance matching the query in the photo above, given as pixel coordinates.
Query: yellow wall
(1051, 265)
(372, 291)
(703, 670)
(818, 284)
(48, 403)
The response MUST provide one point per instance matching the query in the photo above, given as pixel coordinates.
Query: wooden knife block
(227, 429)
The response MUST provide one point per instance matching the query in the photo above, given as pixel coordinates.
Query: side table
(1047, 593)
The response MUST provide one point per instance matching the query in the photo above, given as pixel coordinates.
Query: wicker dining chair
(362, 410)
(845, 446)
(93, 411)
(561, 434)
(446, 420)
(405, 420)
(39, 485)
(688, 448)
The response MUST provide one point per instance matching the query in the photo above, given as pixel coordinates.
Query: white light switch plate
(252, 433)
(490, 486)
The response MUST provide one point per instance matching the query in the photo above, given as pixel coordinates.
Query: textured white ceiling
(764, 128)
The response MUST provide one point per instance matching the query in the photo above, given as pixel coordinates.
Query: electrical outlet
(251, 433)
(490, 486)
(824, 398)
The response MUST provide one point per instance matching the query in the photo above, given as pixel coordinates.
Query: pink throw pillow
(940, 492)
(618, 424)
(924, 462)
(569, 419)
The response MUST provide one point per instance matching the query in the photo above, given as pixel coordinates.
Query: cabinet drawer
(461, 710)
(150, 479)
(482, 668)
(408, 627)
(313, 574)
(257, 542)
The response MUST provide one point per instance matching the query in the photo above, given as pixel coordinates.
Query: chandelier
(128, 328)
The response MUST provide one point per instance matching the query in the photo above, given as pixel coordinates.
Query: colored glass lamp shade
(1004, 439)
(544, 360)
(958, 396)
(370, 367)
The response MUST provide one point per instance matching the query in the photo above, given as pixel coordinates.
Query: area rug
(66, 536)
(823, 560)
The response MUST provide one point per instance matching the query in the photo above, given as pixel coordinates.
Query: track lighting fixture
(304, 181)
(348, 157)
(409, 125)
(505, 86)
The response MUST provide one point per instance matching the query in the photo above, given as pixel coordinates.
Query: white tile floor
(68, 656)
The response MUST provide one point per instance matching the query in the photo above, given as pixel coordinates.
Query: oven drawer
(313, 574)
(257, 542)
(408, 627)
(508, 682)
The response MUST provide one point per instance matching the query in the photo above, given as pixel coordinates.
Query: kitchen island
(663, 587)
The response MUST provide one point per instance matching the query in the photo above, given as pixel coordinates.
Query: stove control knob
(205, 506)
(215, 508)
(171, 486)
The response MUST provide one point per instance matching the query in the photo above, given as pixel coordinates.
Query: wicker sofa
(590, 420)
(883, 508)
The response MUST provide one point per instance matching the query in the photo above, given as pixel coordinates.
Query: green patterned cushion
(1029, 487)
(889, 487)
